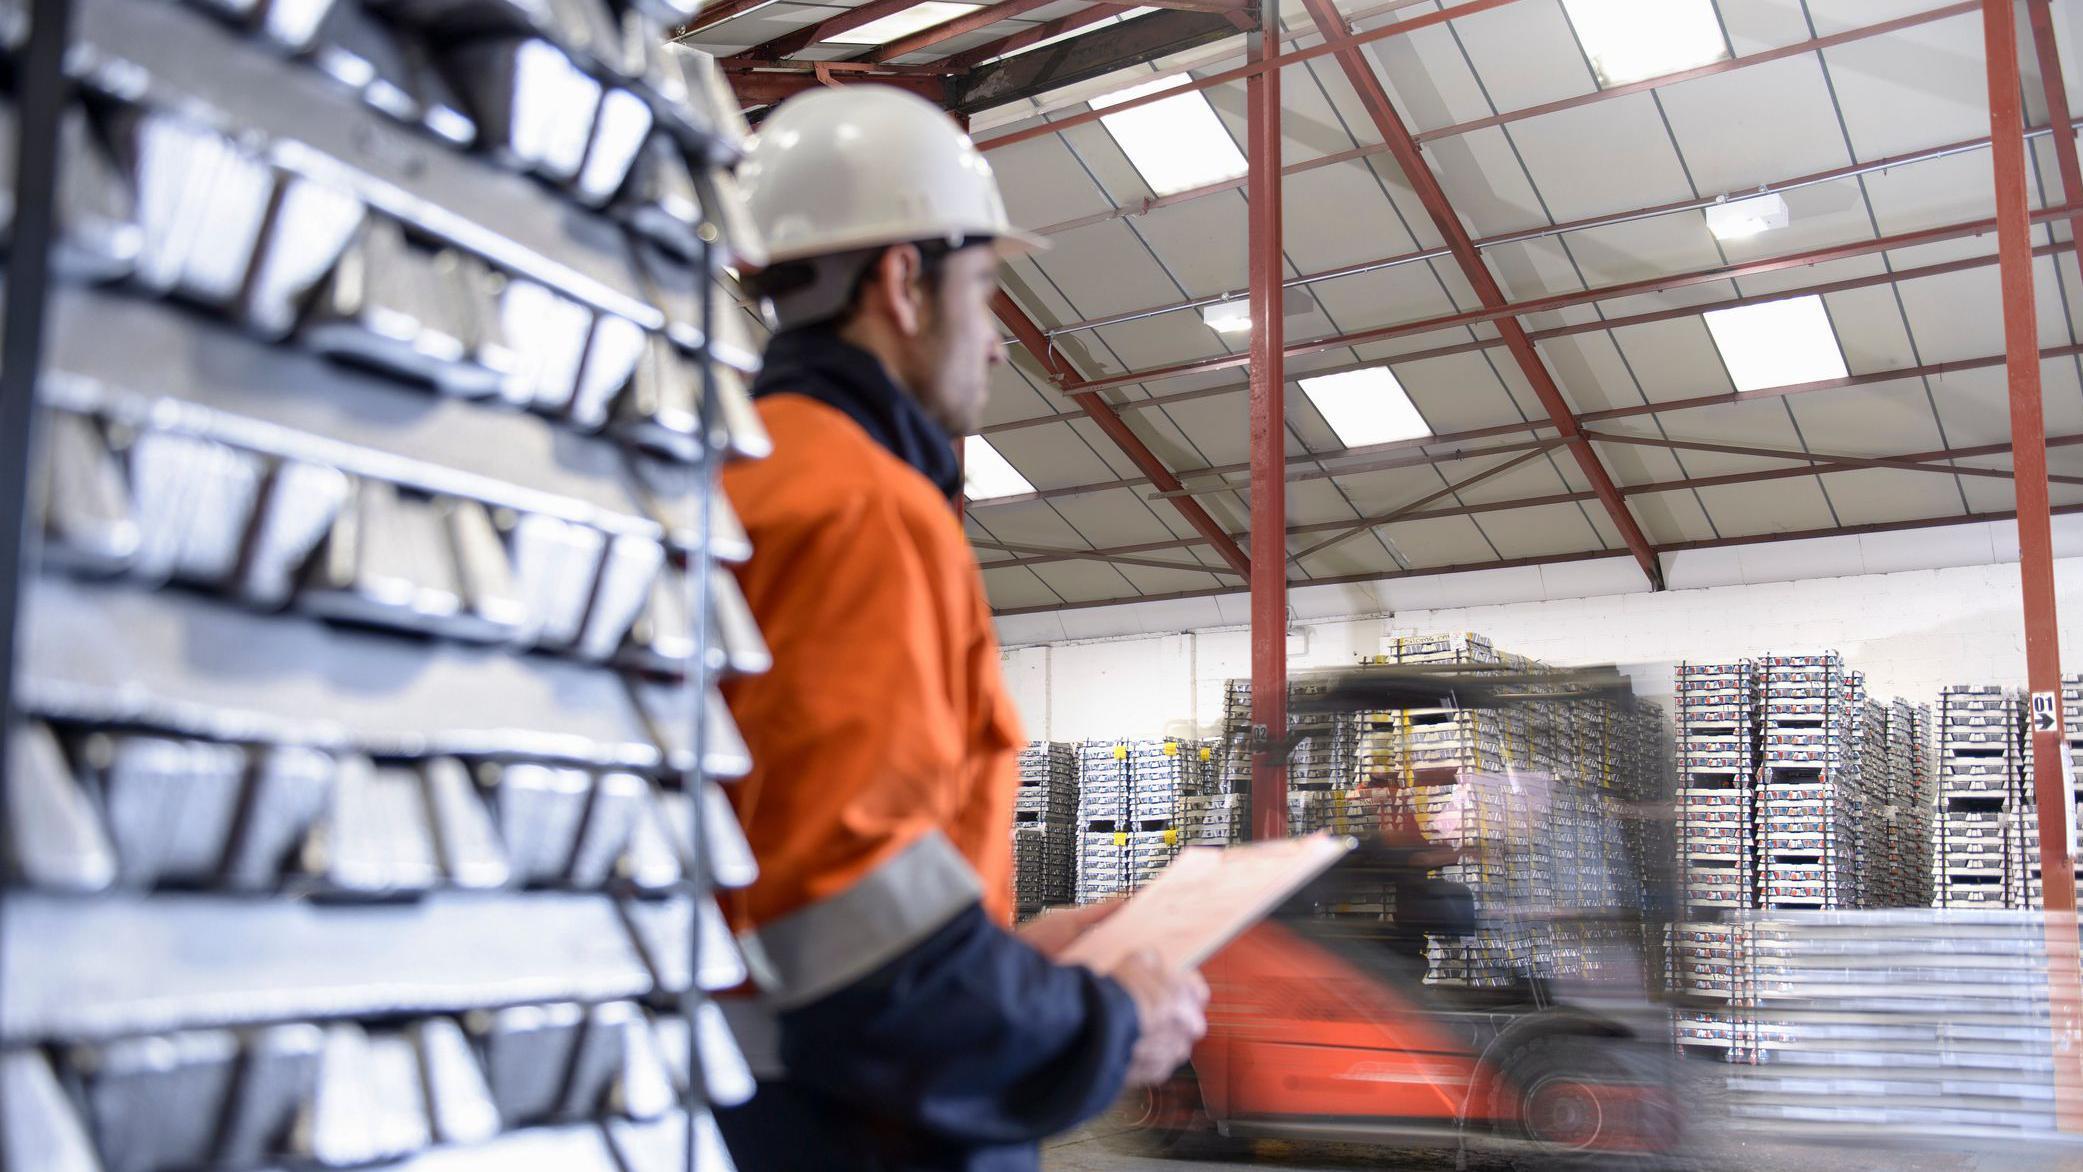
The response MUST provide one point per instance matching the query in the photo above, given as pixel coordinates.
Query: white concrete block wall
(1911, 631)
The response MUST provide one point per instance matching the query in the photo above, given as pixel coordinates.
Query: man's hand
(1052, 931)
(1170, 1008)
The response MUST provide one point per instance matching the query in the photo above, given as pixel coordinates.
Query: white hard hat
(839, 169)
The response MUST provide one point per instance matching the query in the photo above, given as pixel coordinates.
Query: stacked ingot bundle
(1980, 764)
(364, 775)
(1045, 813)
(1719, 740)
(1105, 794)
(1813, 717)
(1129, 800)
(1911, 797)
(1214, 809)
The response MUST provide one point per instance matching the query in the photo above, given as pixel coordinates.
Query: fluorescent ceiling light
(1778, 343)
(986, 475)
(1628, 40)
(1366, 406)
(1177, 143)
(1739, 219)
(902, 24)
(1228, 317)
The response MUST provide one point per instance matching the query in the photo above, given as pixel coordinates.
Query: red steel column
(2036, 550)
(1268, 440)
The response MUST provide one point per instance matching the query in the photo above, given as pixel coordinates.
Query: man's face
(958, 342)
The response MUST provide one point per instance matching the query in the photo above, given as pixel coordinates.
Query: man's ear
(897, 282)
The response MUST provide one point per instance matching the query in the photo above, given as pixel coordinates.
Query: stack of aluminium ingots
(1044, 820)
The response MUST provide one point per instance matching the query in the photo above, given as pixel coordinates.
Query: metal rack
(362, 746)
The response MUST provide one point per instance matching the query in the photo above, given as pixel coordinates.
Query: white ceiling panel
(1767, 506)
(1361, 553)
(763, 25)
(1525, 54)
(1201, 242)
(1757, 125)
(1155, 581)
(1753, 27)
(1440, 541)
(1084, 581)
(1934, 193)
(1310, 125)
(1028, 523)
(1872, 496)
(1702, 293)
(1673, 359)
(1365, 227)
(1011, 589)
(1106, 448)
(1533, 268)
(1042, 183)
(1122, 516)
(1958, 315)
(1610, 156)
(1388, 489)
(1050, 456)
(1669, 517)
(1914, 88)
(1975, 406)
(1643, 248)
(1215, 427)
(1382, 297)
(1152, 342)
(1590, 372)
(1758, 423)
(1103, 270)
(1541, 532)
(1485, 183)
(1836, 16)
(1881, 419)
(1536, 477)
(1427, 77)
(1457, 392)
(1870, 329)
(1014, 396)
(1311, 501)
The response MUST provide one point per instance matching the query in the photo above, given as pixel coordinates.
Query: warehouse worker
(901, 1023)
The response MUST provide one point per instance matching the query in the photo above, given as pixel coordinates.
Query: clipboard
(1205, 899)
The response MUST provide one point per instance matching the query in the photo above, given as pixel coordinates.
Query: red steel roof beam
(1265, 260)
(789, 44)
(1375, 97)
(2042, 15)
(1117, 429)
(969, 59)
(2036, 554)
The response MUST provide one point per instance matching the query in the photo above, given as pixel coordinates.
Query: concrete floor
(1104, 1148)
(1107, 1145)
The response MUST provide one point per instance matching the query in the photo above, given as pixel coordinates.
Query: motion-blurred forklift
(1323, 1026)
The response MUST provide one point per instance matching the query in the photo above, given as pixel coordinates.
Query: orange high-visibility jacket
(884, 745)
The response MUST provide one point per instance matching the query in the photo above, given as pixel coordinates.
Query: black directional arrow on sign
(2043, 712)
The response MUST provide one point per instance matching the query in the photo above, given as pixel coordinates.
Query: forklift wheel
(1169, 1120)
(1589, 1102)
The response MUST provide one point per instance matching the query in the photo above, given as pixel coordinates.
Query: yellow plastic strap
(1121, 838)
(1171, 748)
(1120, 752)
(1171, 838)
(1205, 755)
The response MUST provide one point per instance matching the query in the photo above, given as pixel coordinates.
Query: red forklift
(1322, 1024)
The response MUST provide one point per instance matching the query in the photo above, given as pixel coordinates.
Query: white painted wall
(1911, 631)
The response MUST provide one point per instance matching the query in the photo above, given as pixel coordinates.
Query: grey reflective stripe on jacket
(822, 948)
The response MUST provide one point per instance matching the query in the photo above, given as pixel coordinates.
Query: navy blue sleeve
(971, 1036)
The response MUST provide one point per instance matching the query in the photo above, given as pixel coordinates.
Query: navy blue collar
(815, 362)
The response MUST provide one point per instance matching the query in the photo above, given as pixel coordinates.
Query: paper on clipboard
(1204, 899)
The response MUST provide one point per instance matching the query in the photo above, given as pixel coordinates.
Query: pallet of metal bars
(1311, 806)
(1048, 773)
(1930, 1023)
(1212, 819)
(1042, 861)
(1101, 861)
